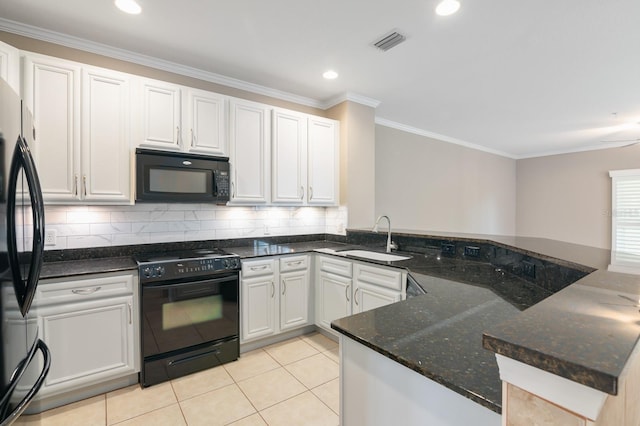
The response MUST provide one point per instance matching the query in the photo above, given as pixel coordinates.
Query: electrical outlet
(448, 248)
(528, 269)
(50, 237)
(471, 251)
(266, 230)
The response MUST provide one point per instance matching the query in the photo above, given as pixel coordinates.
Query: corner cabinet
(81, 116)
(305, 169)
(90, 325)
(179, 118)
(250, 152)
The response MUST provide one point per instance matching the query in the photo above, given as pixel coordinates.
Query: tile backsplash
(97, 226)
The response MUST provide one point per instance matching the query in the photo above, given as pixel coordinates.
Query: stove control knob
(146, 272)
(159, 271)
(225, 262)
(235, 263)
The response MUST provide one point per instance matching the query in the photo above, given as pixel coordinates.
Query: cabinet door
(249, 154)
(258, 307)
(205, 123)
(334, 298)
(323, 162)
(160, 115)
(294, 299)
(10, 66)
(366, 297)
(94, 342)
(52, 93)
(106, 138)
(289, 169)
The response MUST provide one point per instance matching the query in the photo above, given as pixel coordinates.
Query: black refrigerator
(24, 358)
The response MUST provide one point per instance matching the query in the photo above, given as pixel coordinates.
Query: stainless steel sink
(374, 255)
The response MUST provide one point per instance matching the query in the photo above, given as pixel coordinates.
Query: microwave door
(24, 199)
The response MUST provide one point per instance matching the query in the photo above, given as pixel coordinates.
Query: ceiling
(517, 78)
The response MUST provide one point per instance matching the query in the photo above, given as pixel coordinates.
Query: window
(625, 221)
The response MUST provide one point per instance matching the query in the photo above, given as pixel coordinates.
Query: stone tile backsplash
(96, 226)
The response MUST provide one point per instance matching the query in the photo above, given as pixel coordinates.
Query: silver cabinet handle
(355, 296)
(85, 291)
(284, 287)
(84, 184)
(273, 289)
(233, 190)
(311, 192)
(258, 268)
(178, 135)
(346, 292)
(193, 138)
(302, 189)
(294, 263)
(130, 313)
(75, 185)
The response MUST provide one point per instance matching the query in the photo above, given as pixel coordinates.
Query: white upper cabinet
(174, 117)
(52, 93)
(323, 156)
(249, 155)
(105, 164)
(305, 159)
(160, 118)
(10, 66)
(289, 183)
(81, 146)
(205, 120)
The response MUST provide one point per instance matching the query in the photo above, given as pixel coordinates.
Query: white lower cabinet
(274, 296)
(89, 325)
(258, 300)
(346, 287)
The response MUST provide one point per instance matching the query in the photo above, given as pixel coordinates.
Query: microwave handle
(214, 186)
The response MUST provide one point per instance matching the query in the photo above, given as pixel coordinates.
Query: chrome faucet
(390, 244)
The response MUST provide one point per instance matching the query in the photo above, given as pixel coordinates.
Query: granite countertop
(439, 334)
(584, 331)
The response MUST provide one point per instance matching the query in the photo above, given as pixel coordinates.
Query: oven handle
(233, 277)
(214, 352)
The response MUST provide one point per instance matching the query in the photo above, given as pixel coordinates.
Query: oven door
(181, 315)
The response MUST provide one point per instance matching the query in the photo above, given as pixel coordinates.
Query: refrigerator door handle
(22, 405)
(22, 159)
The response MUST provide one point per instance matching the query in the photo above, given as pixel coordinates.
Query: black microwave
(164, 176)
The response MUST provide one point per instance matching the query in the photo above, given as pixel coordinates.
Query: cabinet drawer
(65, 290)
(294, 263)
(335, 266)
(255, 268)
(383, 277)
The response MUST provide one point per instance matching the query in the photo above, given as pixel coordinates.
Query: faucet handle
(393, 246)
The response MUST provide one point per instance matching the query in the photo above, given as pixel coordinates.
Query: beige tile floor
(290, 383)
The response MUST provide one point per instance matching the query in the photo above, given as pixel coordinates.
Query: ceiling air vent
(390, 40)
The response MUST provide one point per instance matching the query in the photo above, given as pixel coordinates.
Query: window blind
(625, 220)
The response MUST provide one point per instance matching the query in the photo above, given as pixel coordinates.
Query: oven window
(178, 181)
(191, 312)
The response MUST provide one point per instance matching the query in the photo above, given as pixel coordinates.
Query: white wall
(568, 197)
(426, 184)
(95, 226)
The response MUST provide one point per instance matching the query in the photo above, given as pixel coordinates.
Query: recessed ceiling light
(447, 7)
(330, 75)
(128, 6)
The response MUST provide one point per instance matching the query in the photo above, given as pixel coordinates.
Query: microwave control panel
(222, 183)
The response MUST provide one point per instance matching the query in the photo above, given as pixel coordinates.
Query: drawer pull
(299, 262)
(85, 291)
(258, 268)
(346, 292)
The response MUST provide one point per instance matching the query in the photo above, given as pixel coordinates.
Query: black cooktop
(181, 255)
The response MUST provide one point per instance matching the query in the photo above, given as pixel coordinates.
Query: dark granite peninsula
(574, 342)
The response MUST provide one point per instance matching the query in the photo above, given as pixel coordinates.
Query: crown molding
(149, 61)
(353, 97)
(443, 138)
